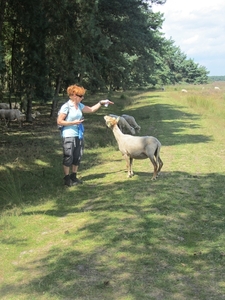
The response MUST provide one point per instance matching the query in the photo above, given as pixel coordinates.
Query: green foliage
(103, 45)
(216, 78)
(174, 67)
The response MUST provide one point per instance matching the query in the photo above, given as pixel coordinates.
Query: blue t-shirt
(72, 114)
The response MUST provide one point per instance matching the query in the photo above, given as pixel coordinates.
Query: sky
(198, 28)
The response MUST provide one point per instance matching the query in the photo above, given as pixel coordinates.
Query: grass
(114, 237)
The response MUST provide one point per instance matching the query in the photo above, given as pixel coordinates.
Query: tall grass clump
(10, 188)
(208, 102)
(200, 102)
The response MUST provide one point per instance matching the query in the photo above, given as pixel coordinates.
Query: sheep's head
(138, 128)
(111, 121)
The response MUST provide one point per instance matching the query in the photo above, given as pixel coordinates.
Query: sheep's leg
(20, 123)
(160, 165)
(129, 165)
(7, 123)
(155, 168)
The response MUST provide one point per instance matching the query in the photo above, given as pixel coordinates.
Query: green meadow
(117, 238)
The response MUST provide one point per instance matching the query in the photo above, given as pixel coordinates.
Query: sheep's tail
(157, 151)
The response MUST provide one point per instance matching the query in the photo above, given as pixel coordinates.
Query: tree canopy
(46, 45)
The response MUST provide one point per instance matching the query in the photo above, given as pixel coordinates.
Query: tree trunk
(56, 95)
(29, 105)
(29, 111)
(2, 14)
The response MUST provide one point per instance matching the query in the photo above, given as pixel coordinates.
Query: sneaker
(75, 180)
(67, 180)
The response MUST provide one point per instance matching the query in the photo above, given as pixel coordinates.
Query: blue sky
(198, 28)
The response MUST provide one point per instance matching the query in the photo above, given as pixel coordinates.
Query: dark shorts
(73, 149)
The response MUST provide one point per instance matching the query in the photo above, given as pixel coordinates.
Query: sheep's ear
(108, 124)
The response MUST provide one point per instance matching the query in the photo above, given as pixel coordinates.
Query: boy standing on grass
(70, 119)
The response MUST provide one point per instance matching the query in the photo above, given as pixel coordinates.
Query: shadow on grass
(168, 123)
(149, 240)
(33, 154)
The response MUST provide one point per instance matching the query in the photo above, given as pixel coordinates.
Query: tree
(47, 45)
(174, 67)
(193, 73)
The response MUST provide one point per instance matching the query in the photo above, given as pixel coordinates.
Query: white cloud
(197, 27)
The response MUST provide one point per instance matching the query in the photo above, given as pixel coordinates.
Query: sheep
(217, 88)
(132, 122)
(15, 105)
(11, 115)
(184, 91)
(136, 147)
(123, 125)
(7, 106)
(35, 114)
(4, 106)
